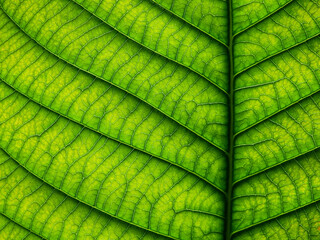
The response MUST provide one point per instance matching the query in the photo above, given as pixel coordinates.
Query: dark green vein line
(275, 165)
(117, 140)
(76, 199)
(111, 83)
(279, 111)
(201, 212)
(29, 230)
(276, 54)
(262, 19)
(276, 216)
(228, 226)
(154, 51)
(190, 23)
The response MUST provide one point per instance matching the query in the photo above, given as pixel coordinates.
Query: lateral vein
(123, 89)
(117, 140)
(29, 230)
(78, 200)
(158, 53)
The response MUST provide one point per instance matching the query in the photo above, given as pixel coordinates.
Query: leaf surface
(157, 119)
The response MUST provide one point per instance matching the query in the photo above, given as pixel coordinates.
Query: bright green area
(52, 214)
(63, 25)
(116, 117)
(277, 191)
(84, 41)
(292, 25)
(302, 224)
(210, 16)
(247, 13)
(275, 84)
(11, 230)
(109, 110)
(106, 174)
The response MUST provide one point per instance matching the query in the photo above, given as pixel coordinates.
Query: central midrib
(228, 223)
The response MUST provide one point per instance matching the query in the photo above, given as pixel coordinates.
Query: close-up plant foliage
(160, 119)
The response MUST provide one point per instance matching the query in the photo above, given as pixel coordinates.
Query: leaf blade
(103, 169)
(135, 117)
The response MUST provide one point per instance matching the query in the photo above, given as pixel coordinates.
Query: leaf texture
(153, 119)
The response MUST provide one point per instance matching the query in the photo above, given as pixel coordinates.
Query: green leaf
(160, 119)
